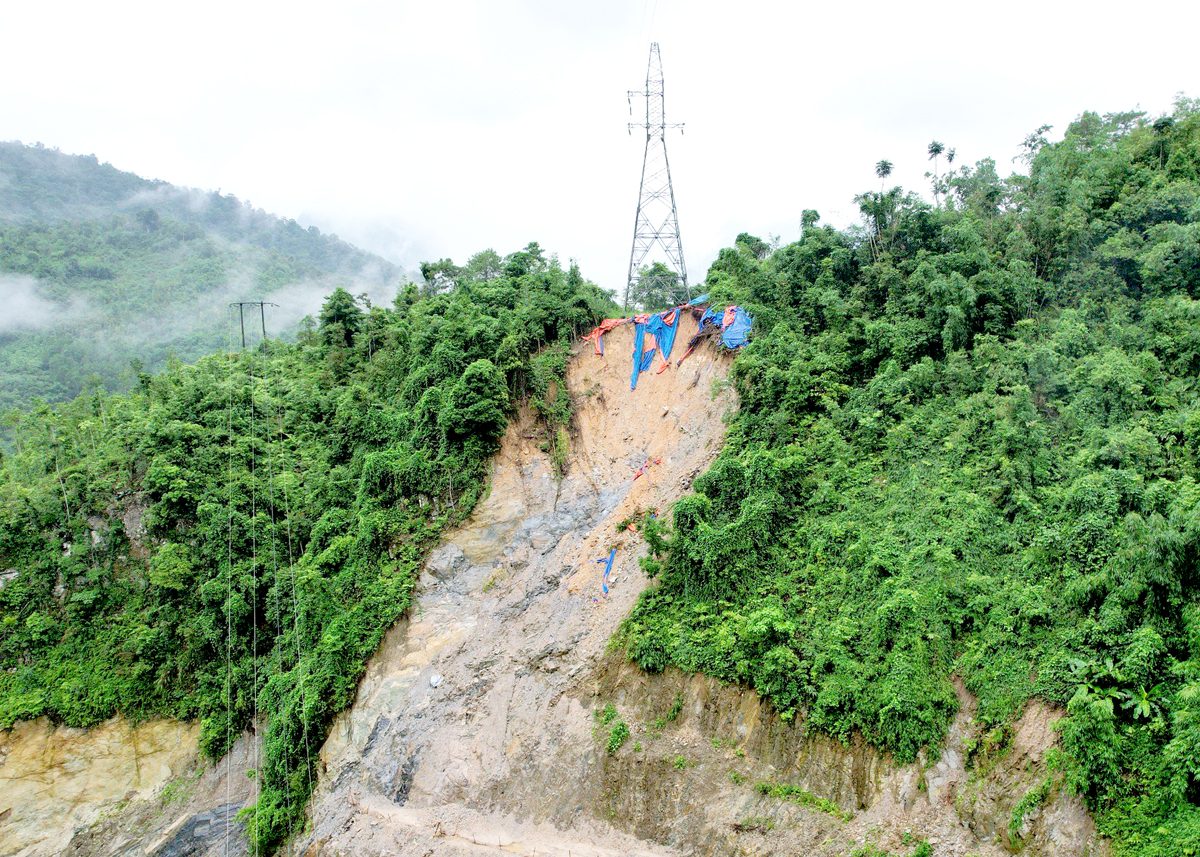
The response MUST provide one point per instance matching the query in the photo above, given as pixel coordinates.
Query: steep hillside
(490, 719)
(40, 185)
(107, 275)
(968, 450)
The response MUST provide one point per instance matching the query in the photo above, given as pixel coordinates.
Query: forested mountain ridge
(40, 185)
(969, 445)
(105, 270)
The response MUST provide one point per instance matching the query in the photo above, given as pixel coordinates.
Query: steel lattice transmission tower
(657, 222)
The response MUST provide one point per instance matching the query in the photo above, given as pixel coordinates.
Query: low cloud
(22, 307)
(170, 198)
(286, 307)
(305, 298)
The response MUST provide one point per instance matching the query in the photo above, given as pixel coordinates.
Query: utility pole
(262, 316)
(657, 222)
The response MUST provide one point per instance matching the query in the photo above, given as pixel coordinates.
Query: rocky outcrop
(474, 718)
(55, 781)
(706, 763)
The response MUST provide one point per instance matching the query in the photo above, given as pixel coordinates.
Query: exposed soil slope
(511, 624)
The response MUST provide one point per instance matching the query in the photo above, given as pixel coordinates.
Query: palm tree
(883, 169)
(935, 149)
(874, 207)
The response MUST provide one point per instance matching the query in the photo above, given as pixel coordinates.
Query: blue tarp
(607, 569)
(664, 333)
(700, 300)
(734, 336)
(641, 357)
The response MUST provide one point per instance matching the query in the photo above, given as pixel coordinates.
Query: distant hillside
(39, 185)
(100, 268)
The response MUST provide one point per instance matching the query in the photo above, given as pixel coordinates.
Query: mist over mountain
(105, 273)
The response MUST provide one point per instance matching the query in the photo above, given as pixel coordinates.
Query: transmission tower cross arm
(650, 128)
(262, 315)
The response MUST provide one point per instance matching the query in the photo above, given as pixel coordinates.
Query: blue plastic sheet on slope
(641, 357)
(700, 300)
(734, 336)
(664, 333)
(607, 569)
(736, 333)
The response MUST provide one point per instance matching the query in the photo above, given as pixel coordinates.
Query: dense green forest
(229, 541)
(109, 274)
(969, 444)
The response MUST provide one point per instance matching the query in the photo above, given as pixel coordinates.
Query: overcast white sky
(434, 129)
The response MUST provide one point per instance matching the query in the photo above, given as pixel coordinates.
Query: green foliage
(969, 445)
(617, 736)
(870, 850)
(551, 400)
(657, 288)
(754, 824)
(43, 185)
(341, 318)
(671, 716)
(235, 537)
(171, 566)
(1033, 799)
(795, 794)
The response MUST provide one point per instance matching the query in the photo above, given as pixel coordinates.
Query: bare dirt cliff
(478, 728)
(474, 725)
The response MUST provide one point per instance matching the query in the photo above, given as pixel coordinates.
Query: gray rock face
(446, 561)
(215, 831)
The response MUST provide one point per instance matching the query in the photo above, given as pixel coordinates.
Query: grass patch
(671, 716)
(1033, 799)
(795, 794)
(607, 714)
(753, 824)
